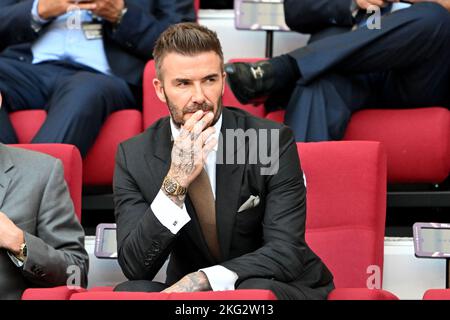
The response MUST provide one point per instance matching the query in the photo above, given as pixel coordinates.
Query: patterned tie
(202, 198)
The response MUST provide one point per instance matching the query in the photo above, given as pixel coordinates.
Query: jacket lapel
(158, 163)
(228, 183)
(6, 165)
(159, 158)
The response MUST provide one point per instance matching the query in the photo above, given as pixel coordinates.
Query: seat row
(417, 141)
(345, 225)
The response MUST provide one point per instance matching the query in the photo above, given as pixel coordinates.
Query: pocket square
(251, 202)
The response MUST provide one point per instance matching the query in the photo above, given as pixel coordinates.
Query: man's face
(191, 83)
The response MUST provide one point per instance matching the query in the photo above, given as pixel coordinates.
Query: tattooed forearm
(183, 161)
(196, 281)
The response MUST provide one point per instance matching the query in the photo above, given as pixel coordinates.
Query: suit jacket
(266, 241)
(320, 18)
(128, 47)
(34, 195)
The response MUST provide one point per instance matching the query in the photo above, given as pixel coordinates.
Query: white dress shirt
(399, 5)
(174, 218)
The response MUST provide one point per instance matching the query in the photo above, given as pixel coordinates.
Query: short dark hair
(185, 38)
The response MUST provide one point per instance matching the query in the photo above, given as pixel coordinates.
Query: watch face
(170, 186)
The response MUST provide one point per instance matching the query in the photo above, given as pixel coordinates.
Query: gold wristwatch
(172, 187)
(22, 255)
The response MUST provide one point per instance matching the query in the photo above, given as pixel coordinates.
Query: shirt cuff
(35, 15)
(220, 278)
(168, 213)
(17, 262)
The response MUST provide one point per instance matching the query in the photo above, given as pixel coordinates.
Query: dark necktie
(202, 198)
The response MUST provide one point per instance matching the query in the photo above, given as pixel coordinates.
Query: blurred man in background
(355, 60)
(80, 61)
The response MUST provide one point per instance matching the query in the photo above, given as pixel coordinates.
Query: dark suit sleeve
(282, 255)
(57, 251)
(143, 243)
(139, 30)
(15, 22)
(311, 16)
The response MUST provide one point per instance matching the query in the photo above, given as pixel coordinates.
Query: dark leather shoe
(250, 82)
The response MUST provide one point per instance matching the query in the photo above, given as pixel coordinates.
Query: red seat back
(346, 207)
(27, 123)
(197, 7)
(154, 108)
(417, 141)
(71, 160)
(436, 294)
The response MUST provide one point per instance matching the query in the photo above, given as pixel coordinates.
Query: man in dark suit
(80, 62)
(395, 57)
(183, 188)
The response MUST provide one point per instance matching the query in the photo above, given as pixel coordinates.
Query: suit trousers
(77, 100)
(404, 64)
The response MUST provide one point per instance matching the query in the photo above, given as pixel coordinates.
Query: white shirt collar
(217, 126)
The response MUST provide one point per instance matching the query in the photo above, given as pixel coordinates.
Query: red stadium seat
(71, 160)
(98, 165)
(197, 6)
(27, 123)
(346, 211)
(57, 293)
(437, 294)
(417, 141)
(207, 295)
(154, 108)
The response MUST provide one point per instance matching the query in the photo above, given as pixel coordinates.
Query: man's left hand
(110, 10)
(193, 282)
(11, 237)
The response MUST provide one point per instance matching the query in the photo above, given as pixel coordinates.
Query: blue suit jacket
(128, 47)
(320, 18)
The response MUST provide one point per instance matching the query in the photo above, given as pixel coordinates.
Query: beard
(177, 117)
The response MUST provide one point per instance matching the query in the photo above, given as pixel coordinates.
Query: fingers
(208, 147)
(205, 135)
(189, 125)
(87, 6)
(204, 120)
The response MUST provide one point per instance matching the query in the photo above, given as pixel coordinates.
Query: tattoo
(184, 156)
(195, 281)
